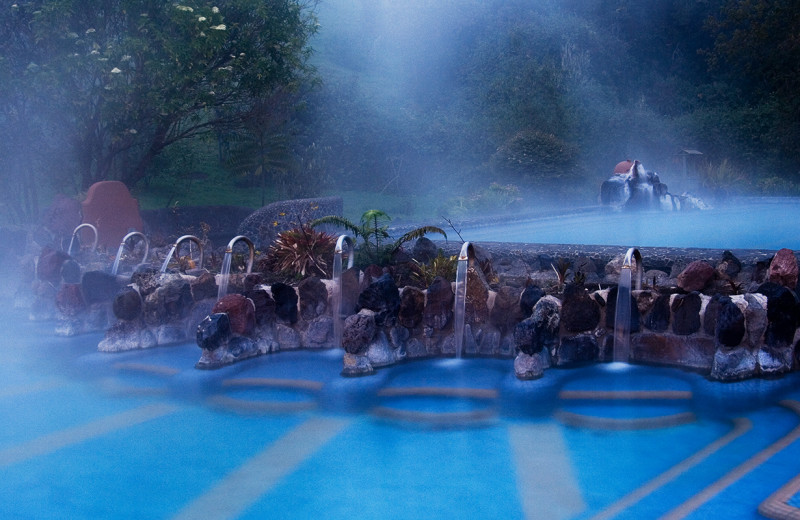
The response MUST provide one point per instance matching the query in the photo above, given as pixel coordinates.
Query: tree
(136, 76)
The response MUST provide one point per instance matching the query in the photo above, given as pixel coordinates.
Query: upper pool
(741, 223)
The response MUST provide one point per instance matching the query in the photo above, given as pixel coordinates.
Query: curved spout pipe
(176, 249)
(75, 233)
(632, 255)
(125, 239)
(345, 241)
(250, 246)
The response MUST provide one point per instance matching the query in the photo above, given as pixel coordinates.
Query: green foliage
(497, 198)
(133, 77)
(444, 266)
(532, 154)
(721, 180)
(373, 229)
(301, 252)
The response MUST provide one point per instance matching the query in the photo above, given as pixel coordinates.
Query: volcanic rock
(240, 311)
(696, 276)
(783, 269)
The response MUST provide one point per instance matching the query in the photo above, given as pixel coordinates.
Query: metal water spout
(226, 262)
(343, 244)
(75, 233)
(176, 248)
(465, 260)
(622, 320)
(125, 239)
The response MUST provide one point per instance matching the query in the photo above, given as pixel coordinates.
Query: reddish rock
(111, 209)
(241, 313)
(48, 268)
(412, 304)
(69, 300)
(204, 286)
(783, 269)
(695, 276)
(696, 352)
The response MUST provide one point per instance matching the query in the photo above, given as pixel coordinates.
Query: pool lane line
(31, 388)
(299, 384)
(738, 472)
(255, 406)
(610, 423)
(547, 484)
(244, 486)
(57, 440)
(439, 391)
(148, 368)
(626, 395)
(740, 427)
(777, 506)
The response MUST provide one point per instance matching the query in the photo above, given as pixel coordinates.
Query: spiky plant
(373, 229)
(561, 267)
(444, 266)
(302, 251)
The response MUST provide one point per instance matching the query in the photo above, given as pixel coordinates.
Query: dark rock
(240, 311)
(412, 305)
(782, 306)
(476, 308)
(540, 331)
(424, 250)
(696, 352)
(658, 318)
(710, 315)
(48, 268)
(359, 329)
(264, 306)
(576, 350)
(146, 279)
(69, 300)
(127, 304)
(579, 311)
(313, 296)
(686, 313)
(71, 272)
(730, 327)
(204, 286)
(696, 276)
(530, 296)
(383, 298)
(729, 265)
(506, 312)
(171, 302)
(250, 281)
(439, 305)
(285, 302)
(214, 331)
(99, 287)
(783, 269)
(350, 291)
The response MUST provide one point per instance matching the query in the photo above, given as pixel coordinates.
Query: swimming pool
(144, 435)
(742, 223)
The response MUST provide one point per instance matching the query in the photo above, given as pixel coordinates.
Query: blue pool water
(745, 223)
(145, 435)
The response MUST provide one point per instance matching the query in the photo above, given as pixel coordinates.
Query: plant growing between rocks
(373, 229)
(301, 252)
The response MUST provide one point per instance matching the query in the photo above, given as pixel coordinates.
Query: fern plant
(373, 230)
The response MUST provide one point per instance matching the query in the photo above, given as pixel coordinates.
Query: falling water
(225, 271)
(338, 320)
(461, 296)
(622, 320)
(168, 258)
(130, 235)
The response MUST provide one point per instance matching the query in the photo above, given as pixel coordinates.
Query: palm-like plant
(373, 229)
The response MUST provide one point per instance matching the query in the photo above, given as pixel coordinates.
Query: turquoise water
(748, 223)
(145, 435)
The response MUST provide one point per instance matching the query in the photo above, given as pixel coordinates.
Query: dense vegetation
(475, 105)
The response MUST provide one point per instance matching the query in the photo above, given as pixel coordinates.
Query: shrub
(301, 252)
